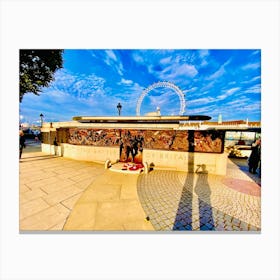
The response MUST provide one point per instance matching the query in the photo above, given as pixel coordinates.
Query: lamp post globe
(41, 117)
(119, 107)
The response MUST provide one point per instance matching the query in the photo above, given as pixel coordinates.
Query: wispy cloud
(253, 89)
(112, 61)
(251, 66)
(110, 56)
(254, 79)
(80, 85)
(201, 101)
(239, 103)
(257, 52)
(125, 82)
(220, 72)
(203, 54)
(227, 93)
(174, 72)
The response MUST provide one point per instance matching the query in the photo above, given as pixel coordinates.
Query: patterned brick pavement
(200, 201)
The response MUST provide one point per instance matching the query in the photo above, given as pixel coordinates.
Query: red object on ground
(134, 168)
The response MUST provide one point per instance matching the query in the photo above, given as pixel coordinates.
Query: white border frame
(139, 24)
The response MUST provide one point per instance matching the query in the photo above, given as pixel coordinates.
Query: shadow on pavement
(28, 159)
(242, 164)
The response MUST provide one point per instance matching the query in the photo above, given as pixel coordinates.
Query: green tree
(36, 69)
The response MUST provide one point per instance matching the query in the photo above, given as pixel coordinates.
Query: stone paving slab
(47, 191)
(110, 203)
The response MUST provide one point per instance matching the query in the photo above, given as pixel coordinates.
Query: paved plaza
(57, 193)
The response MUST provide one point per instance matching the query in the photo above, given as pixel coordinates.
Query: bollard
(146, 168)
(107, 164)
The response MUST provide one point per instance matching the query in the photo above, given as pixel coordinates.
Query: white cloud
(227, 93)
(220, 72)
(251, 66)
(110, 56)
(255, 107)
(175, 72)
(137, 58)
(112, 61)
(203, 54)
(201, 101)
(191, 90)
(125, 82)
(204, 110)
(253, 89)
(207, 86)
(166, 60)
(255, 78)
(237, 103)
(256, 52)
(81, 86)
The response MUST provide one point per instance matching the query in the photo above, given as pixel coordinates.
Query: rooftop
(140, 119)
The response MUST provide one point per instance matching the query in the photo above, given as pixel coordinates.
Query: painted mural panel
(95, 137)
(132, 141)
(166, 140)
(208, 141)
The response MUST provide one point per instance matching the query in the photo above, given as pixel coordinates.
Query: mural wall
(95, 137)
(209, 141)
(132, 142)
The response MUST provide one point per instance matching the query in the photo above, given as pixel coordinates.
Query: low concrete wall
(87, 153)
(184, 161)
(51, 149)
(180, 161)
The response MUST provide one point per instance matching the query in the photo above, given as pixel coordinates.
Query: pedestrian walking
(255, 157)
(21, 142)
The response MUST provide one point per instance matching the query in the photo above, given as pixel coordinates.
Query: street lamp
(41, 116)
(20, 121)
(119, 107)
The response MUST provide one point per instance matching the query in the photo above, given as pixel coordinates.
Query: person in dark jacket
(21, 142)
(255, 157)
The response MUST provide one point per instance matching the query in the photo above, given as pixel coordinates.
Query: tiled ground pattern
(179, 201)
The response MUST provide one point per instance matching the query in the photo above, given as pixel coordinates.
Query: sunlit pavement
(62, 194)
(200, 201)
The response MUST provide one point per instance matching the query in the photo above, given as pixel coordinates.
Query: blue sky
(93, 82)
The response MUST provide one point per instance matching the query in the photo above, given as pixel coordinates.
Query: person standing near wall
(21, 142)
(255, 156)
(55, 146)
